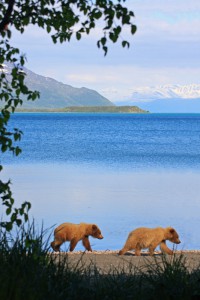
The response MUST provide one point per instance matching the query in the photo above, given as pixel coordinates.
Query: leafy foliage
(62, 19)
(12, 86)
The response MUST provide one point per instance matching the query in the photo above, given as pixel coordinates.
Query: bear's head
(96, 232)
(172, 235)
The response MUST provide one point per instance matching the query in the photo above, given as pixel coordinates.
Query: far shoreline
(87, 109)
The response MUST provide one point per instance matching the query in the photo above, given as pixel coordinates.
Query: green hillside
(54, 94)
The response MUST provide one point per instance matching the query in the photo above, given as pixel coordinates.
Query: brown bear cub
(74, 233)
(143, 237)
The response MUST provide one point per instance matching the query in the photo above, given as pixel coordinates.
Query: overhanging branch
(6, 19)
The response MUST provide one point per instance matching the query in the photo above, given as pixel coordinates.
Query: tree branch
(6, 19)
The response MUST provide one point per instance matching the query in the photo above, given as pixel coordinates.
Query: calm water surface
(120, 171)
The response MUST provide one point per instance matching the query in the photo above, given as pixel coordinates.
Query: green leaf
(8, 226)
(13, 217)
(103, 41)
(125, 43)
(48, 28)
(4, 148)
(18, 221)
(54, 39)
(8, 210)
(17, 151)
(98, 44)
(25, 217)
(113, 37)
(133, 29)
(105, 50)
(98, 15)
(78, 36)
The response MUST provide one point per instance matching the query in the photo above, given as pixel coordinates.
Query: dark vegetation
(29, 271)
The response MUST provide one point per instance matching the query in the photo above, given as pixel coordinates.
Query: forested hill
(54, 94)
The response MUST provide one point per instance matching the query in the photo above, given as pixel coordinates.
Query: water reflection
(116, 201)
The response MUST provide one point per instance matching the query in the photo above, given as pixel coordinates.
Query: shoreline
(106, 262)
(88, 109)
(144, 253)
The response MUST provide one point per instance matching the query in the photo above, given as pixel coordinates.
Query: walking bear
(74, 233)
(143, 237)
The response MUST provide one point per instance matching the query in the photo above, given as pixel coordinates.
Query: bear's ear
(171, 230)
(94, 227)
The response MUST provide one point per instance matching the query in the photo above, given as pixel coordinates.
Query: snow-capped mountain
(145, 94)
(166, 98)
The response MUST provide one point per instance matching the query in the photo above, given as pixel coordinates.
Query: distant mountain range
(166, 98)
(163, 99)
(191, 91)
(54, 94)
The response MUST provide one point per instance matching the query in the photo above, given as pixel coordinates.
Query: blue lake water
(120, 171)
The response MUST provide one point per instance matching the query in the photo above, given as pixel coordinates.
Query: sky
(165, 50)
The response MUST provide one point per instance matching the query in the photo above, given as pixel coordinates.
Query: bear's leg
(57, 248)
(151, 249)
(86, 244)
(137, 250)
(56, 245)
(53, 245)
(73, 244)
(123, 250)
(165, 249)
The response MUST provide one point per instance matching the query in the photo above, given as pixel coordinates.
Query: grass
(29, 271)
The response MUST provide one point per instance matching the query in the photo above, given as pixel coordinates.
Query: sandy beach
(109, 261)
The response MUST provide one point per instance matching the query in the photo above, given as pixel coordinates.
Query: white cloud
(84, 78)
(118, 82)
(165, 50)
(170, 19)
